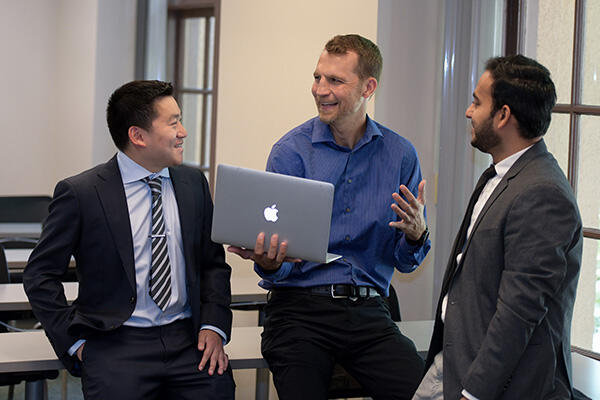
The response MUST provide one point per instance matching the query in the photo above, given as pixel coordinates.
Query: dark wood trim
(591, 233)
(512, 27)
(577, 109)
(141, 39)
(195, 90)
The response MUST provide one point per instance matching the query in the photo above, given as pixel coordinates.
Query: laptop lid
(249, 201)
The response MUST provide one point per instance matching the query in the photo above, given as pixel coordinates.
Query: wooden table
(31, 351)
(31, 230)
(13, 297)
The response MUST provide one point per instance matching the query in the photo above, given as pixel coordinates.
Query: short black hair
(525, 86)
(133, 105)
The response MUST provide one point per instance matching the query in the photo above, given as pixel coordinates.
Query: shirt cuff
(280, 274)
(468, 395)
(217, 330)
(73, 349)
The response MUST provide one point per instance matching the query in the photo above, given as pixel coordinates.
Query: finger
(205, 358)
(272, 253)
(410, 198)
(421, 196)
(397, 225)
(282, 252)
(401, 202)
(245, 254)
(213, 363)
(222, 363)
(260, 244)
(292, 259)
(401, 213)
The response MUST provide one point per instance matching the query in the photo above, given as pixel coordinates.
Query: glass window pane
(591, 55)
(557, 139)
(587, 180)
(554, 42)
(194, 39)
(585, 330)
(191, 108)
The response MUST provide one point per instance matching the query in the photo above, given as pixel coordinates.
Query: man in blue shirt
(152, 312)
(320, 314)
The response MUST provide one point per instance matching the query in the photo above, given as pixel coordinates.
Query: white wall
(267, 54)
(60, 60)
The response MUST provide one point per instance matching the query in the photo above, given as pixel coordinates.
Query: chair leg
(64, 379)
(11, 392)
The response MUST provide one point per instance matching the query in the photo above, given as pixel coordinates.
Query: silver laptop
(248, 202)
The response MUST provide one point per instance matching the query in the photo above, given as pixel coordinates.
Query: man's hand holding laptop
(270, 260)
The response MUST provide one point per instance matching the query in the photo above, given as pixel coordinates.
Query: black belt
(337, 291)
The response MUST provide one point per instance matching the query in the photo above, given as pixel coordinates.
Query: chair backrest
(393, 305)
(4, 275)
(24, 208)
(18, 243)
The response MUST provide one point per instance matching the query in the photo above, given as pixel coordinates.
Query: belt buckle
(334, 295)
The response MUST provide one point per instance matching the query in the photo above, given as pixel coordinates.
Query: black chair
(24, 208)
(14, 378)
(343, 385)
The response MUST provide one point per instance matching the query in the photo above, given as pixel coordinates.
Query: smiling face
(483, 135)
(163, 142)
(338, 91)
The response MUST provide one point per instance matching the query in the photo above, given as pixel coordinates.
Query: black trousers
(305, 335)
(150, 363)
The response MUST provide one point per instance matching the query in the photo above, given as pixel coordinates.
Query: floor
(55, 389)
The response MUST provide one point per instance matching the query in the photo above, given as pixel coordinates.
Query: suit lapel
(186, 206)
(536, 150)
(111, 192)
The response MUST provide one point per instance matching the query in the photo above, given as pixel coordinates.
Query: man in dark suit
(152, 313)
(502, 328)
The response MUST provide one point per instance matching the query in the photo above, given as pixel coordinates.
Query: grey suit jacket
(510, 300)
(89, 219)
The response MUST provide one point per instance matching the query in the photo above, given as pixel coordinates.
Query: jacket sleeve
(48, 262)
(215, 273)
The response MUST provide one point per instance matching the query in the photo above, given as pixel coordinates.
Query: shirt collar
(503, 166)
(322, 133)
(132, 171)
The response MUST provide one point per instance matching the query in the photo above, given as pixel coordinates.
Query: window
(178, 42)
(191, 68)
(560, 35)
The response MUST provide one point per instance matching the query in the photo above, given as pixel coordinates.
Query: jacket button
(132, 300)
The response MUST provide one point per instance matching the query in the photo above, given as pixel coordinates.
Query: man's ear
(503, 116)
(136, 136)
(369, 88)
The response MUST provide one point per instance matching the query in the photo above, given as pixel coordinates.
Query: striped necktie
(160, 272)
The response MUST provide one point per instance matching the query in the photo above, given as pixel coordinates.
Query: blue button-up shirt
(364, 178)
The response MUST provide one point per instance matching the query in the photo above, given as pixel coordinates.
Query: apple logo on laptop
(271, 213)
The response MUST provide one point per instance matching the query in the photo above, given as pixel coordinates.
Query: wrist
(421, 240)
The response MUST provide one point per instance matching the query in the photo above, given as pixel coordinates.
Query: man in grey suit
(502, 328)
